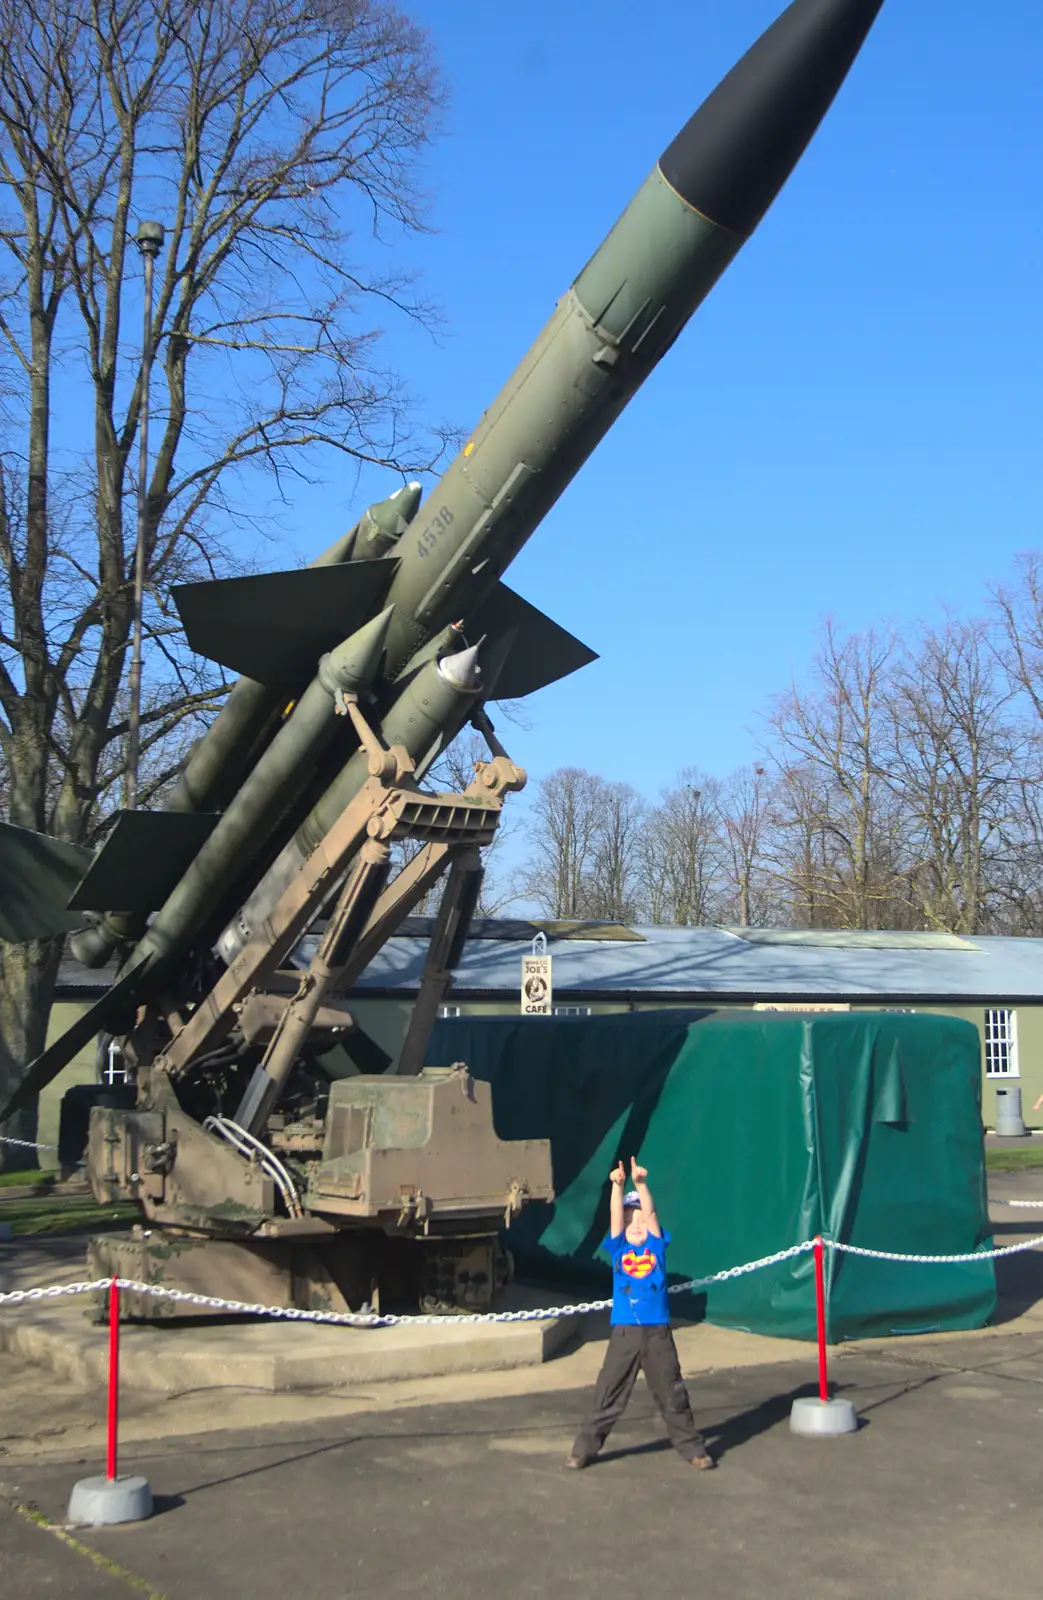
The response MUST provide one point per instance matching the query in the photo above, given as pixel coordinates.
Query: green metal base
(348, 1272)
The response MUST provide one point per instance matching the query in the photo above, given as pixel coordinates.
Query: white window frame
(450, 1011)
(112, 1073)
(1001, 1043)
(570, 1011)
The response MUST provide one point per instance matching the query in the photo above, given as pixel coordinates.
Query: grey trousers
(632, 1350)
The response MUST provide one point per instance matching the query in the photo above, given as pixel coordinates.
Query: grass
(19, 1180)
(63, 1214)
(1014, 1160)
(103, 1563)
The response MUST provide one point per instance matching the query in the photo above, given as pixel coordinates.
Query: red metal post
(114, 1374)
(820, 1307)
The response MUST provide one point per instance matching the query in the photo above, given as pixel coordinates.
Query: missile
(698, 206)
(214, 768)
(689, 219)
(426, 715)
(421, 574)
(263, 797)
(232, 745)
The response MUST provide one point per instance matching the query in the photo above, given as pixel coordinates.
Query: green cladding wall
(759, 1131)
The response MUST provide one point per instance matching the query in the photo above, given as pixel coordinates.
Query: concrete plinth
(102, 1502)
(276, 1357)
(822, 1419)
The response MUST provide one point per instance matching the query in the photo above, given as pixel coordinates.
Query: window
(449, 1011)
(1001, 1044)
(572, 1011)
(116, 1069)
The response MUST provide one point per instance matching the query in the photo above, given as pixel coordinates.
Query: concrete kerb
(267, 1356)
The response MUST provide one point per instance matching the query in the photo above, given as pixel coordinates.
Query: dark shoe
(577, 1463)
(705, 1463)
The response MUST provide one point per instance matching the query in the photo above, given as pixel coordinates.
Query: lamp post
(149, 241)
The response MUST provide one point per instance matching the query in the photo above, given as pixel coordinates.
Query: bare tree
(567, 815)
(614, 888)
(653, 870)
(804, 855)
(828, 745)
(903, 789)
(1019, 613)
(745, 813)
(955, 759)
(261, 132)
(1017, 868)
(681, 852)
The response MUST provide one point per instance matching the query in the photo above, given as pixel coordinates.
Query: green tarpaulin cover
(759, 1130)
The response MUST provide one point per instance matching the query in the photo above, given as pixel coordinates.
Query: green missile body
(430, 709)
(214, 769)
(687, 222)
(689, 219)
(265, 794)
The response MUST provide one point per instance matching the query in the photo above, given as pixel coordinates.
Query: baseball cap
(632, 1198)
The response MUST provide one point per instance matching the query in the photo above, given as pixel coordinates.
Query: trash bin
(1008, 1114)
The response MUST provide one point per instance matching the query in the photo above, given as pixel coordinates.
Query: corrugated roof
(703, 963)
(708, 962)
(74, 975)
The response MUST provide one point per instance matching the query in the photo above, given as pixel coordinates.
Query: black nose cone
(733, 157)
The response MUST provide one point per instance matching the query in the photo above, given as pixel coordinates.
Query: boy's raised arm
(640, 1176)
(617, 1178)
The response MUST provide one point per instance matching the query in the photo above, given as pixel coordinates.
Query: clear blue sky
(852, 423)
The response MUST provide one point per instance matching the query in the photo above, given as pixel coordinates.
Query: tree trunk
(27, 983)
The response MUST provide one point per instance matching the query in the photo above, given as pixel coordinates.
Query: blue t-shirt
(638, 1280)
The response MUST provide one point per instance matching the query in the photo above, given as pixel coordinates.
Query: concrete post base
(99, 1502)
(823, 1419)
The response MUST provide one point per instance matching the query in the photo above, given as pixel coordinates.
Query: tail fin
(273, 627)
(542, 651)
(145, 856)
(38, 877)
(46, 884)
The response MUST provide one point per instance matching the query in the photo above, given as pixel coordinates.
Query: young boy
(641, 1338)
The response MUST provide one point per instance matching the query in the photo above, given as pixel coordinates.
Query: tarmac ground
(455, 1485)
(935, 1498)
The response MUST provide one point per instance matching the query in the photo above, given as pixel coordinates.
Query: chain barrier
(1017, 1202)
(971, 1255)
(16, 1297)
(358, 1319)
(26, 1144)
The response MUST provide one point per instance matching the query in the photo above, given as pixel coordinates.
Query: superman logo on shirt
(638, 1265)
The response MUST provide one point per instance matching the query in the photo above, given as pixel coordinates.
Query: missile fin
(38, 875)
(145, 856)
(47, 1066)
(273, 627)
(542, 651)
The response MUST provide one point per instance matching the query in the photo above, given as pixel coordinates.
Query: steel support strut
(365, 881)
(452, 829)
(459, 900)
